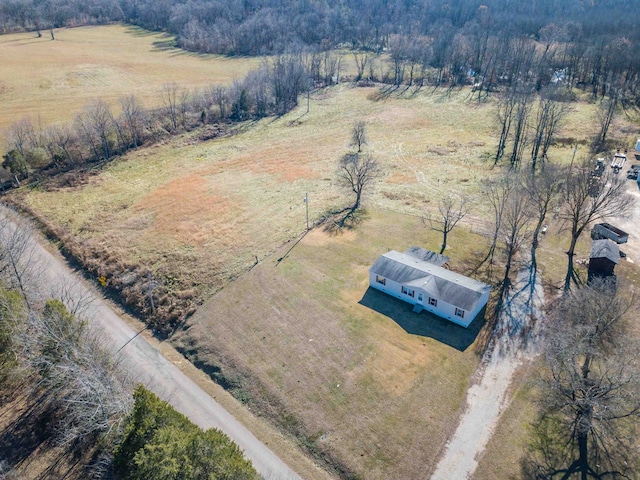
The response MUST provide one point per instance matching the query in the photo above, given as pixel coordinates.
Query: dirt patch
(319, 237)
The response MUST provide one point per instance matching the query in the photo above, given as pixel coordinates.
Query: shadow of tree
(345, 219)
(27, 436)
(27, 431)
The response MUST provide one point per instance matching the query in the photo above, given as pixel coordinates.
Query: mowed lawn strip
(54, 80)
(380, 400)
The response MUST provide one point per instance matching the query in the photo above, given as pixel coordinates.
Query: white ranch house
(417, 278)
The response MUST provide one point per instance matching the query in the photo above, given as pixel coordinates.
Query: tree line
(591, 45)
(80, 396)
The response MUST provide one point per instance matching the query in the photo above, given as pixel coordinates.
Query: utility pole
(306, 203)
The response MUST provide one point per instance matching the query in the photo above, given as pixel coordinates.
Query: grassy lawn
(54, 80)
(355, 373)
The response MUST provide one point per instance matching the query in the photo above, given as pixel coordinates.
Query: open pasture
(198, 214)
(54, 80)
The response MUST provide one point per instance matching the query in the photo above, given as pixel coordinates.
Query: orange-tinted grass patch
(186, 210)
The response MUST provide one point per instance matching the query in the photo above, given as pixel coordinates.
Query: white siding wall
(391, 288)
(443, 309)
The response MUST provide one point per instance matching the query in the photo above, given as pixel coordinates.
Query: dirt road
(631, 225)
(515, 339)
(152, 369)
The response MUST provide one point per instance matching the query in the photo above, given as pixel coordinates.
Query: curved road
(148, 366)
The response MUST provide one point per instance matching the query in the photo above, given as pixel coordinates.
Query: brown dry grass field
(197, 214)
(361, 378)
(54, 80)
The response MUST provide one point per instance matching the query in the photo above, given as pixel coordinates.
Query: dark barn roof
(605, 249)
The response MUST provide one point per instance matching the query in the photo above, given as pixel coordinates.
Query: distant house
(417, 277)
(605, 255)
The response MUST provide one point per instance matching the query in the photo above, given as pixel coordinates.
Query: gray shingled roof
(605, 249)
(456, 289)
(396, 271)
(427, 256)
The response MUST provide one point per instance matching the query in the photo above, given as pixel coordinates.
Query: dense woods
(586, 44)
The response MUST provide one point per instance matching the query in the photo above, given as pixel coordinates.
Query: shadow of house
(428, 286)
(423, 324)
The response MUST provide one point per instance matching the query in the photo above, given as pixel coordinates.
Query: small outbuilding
(605, 255)
(429, 286)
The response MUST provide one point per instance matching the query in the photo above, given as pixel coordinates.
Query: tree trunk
(570, 270)
(444, 241)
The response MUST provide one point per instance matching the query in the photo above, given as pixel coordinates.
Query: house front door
(420, 297)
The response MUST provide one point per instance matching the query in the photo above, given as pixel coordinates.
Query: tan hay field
(200, 213)
(54, 80)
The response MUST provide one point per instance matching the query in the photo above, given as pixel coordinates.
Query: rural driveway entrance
(151, 368)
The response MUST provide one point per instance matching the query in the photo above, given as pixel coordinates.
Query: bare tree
(58, 143)
(171, 95)
(357, 173)
(520, 128)
(497, 194)
(514, 228)
(76, 299)
(451, 209)
(95, 126)
(134, 119)
(505, 113)
(359, 135)
(587, 202)
(22, 135)
(548, 119)
(543, 189)
(605, 115)
(19, 266)
(362, 60)
(590, 392)
(88, 392)
(220, 97)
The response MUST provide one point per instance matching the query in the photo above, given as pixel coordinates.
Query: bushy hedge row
(161, 443)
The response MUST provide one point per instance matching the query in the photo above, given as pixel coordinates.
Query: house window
(433, 302)
(408, 291)
(381, 280)
(459, 313)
